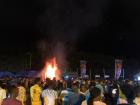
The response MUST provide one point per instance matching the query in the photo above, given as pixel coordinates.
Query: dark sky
(104, 26)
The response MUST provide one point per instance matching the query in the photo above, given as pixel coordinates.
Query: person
(49, 95)
(95, 97)
(71, 95)
(2, 93)
(83, 91)
(75, 98)
(65, 93)
(12, 100)
(99, 84)
(128, 90)
(22, 93)
(115, 92)
(137, 98)
(122, 97)
(35, 92)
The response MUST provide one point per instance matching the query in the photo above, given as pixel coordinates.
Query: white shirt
(51, 96)
(2, 94)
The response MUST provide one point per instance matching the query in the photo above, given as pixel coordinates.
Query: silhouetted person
(12, 100)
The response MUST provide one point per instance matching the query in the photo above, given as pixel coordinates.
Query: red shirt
(11, 102)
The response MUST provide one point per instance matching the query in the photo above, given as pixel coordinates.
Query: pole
(123, 74)
(30, 59)
(104, 72)
(90, 73)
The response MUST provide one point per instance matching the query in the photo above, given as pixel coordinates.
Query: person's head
(129, 82)
(1, 83)
(37, 81)
(14, 92)
(95, 95)
(83, 88)
(137, 91)
(20, 83)
(4, 85)
(75, 86)
(115, 85)
(51, 84)
(69, 84)
(59, 85)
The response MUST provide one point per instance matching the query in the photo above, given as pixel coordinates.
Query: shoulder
(11, 102)
(98, 103)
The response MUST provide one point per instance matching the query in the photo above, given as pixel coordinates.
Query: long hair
(94, 93)
(14, 92)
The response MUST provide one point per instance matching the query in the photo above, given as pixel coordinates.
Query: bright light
(67, 77)
(51, 69)
(138, 78)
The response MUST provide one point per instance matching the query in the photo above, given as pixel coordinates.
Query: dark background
(106, 27)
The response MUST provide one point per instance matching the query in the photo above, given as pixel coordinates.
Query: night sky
(102, 26)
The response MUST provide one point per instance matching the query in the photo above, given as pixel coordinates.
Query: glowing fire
(51, 69)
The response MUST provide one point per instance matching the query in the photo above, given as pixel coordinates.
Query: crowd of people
(33, 91)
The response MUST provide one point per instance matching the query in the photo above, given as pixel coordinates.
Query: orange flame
(51, 69)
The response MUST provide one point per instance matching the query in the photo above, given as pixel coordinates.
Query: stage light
(67, 77)
(138, 78)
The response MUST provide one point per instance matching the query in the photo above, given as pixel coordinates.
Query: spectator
(2, 92)
(21, 94)
(128, 90)
(65, 93)
(50, 95)
(35, 92)
(12, 100)
(137, 98)
(75, 98)
(95, 97)
(115, 92)
(122, 97)
(83, 89)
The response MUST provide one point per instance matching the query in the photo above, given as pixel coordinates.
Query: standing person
(12, 100)
(76, 98)
(99, 84)
(115, 92)
(50, 95)
(21, 94)
(83, 91)
(35, 92)
(128, 90)
(137, 98)
(65, 93)
(95, 97)
(2, 93)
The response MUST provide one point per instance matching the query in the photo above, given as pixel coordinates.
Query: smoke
(49, 50)
(63, 21)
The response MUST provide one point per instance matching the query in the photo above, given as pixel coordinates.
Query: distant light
(135, 79)
(138, 78)
(106, 76)
(67, 77)
(97, 76)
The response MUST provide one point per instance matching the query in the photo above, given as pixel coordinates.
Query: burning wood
(51, 69)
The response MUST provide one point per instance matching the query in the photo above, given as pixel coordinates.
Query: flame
(51, 69)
